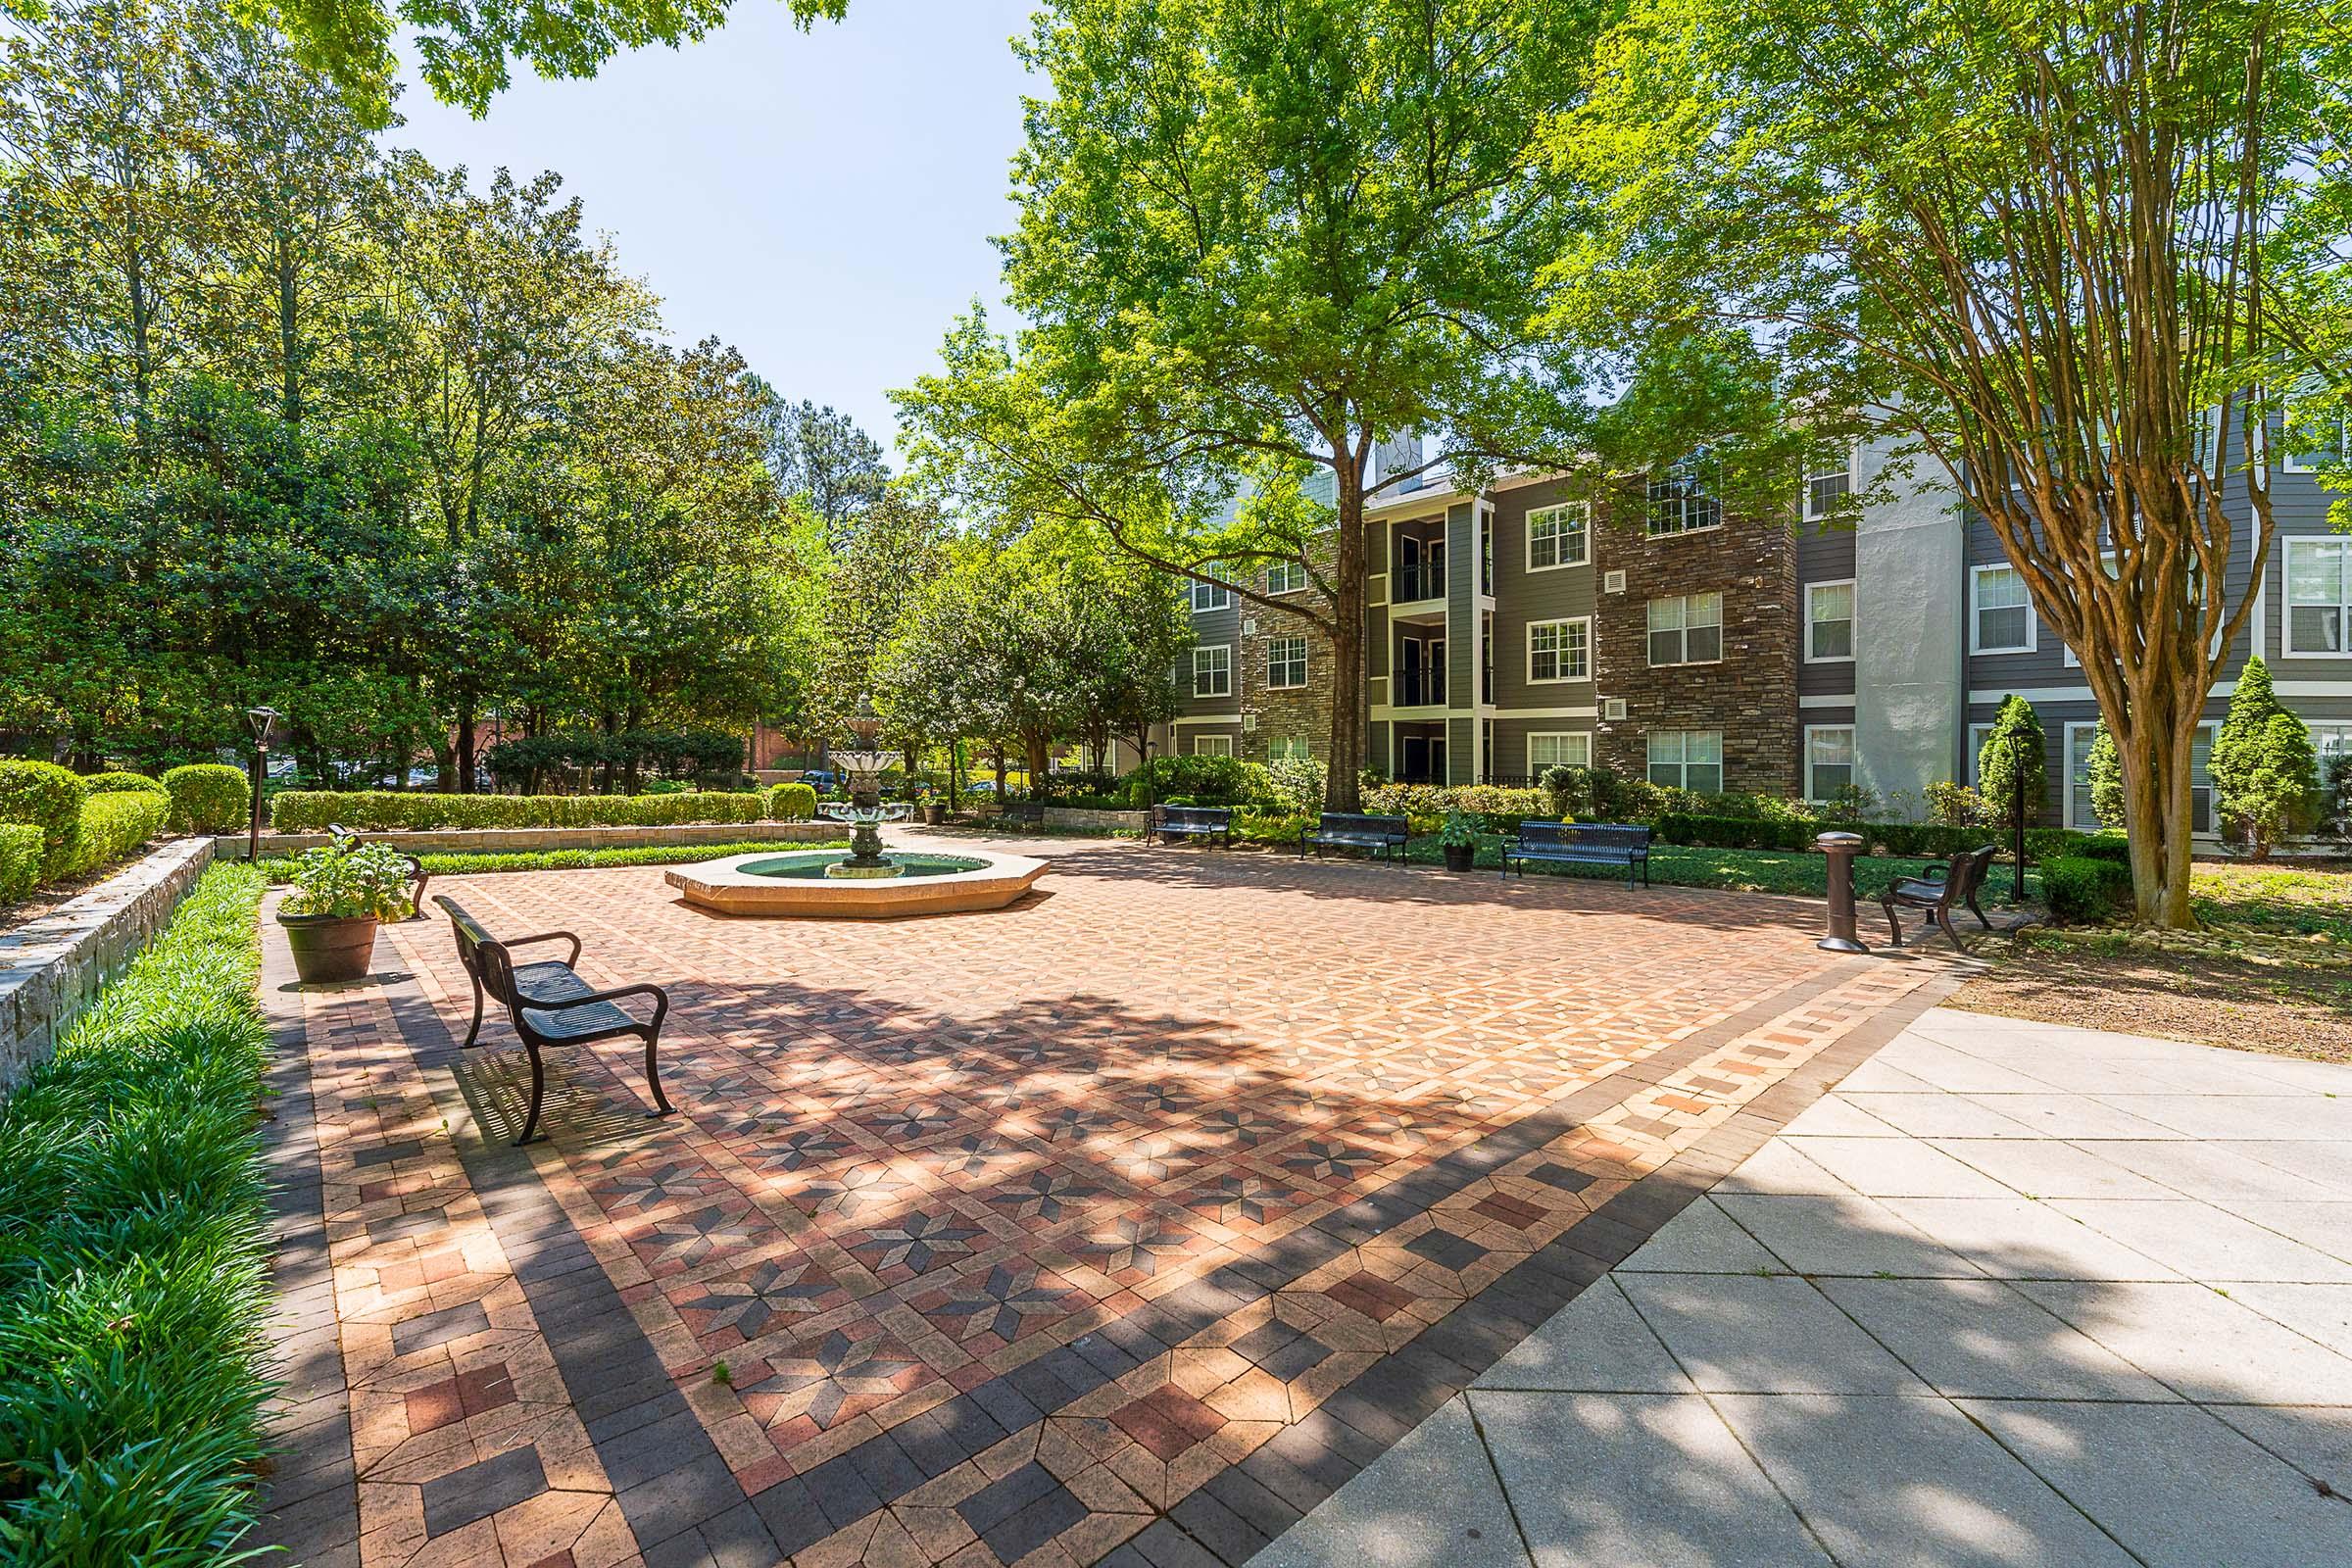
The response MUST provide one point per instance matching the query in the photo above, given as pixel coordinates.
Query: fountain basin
(800, 885)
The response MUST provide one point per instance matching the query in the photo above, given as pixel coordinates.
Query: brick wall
(1751, 695)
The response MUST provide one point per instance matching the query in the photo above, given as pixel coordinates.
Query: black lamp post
(263, 721)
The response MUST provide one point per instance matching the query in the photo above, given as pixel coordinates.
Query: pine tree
(2265, 768)
(2013, 750)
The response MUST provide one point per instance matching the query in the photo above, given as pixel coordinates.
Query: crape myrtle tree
(2075, 254)
(1258, 238)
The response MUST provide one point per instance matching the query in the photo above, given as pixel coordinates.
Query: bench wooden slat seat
(344, 838)
(550, 1005)
(1625, 843)
(1384, 836)
(1939, 889)
(1211, 822)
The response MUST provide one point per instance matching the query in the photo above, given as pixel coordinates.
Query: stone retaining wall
(51, 967)
(1098, 821)
(510, 839)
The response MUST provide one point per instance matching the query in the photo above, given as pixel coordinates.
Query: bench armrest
(511, 943)
(660, 998)
(1935, 873)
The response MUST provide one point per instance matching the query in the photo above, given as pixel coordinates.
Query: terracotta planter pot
(935, 813)
(1460, 856)
(329, 948)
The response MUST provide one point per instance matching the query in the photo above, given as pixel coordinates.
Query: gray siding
(1522, 596)
(1822, 556)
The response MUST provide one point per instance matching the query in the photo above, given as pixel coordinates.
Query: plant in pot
(339, 896)
(1457, 836)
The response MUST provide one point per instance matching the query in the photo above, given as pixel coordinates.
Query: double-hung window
(1559, 749)
(2002, 614)
(1682, 499)
(1828, 760)
(1212, 746)
(1212, 671)
(1285, 577)
(1559, 650)
(1289, 747)
(1828, 480)
(1208, 595)
(1686, 630)
(1559, 536)
(1828, 622)
(2319, 595)
(2319, 441)
(1687, 759)
(1286, 663)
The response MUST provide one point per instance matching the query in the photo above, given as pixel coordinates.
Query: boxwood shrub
(121, 779)
(115, 827)
(379, 810)
(792, 802)
(134, 1238)
(1504, 809)
(2085, 889)
(209, 797)
(49, 798)
(21, 850)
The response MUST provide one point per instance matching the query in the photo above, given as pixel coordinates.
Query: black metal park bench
(1383, 836)
(1211, 822)
(550, 1005)
(1939, 889)
(1625, 843)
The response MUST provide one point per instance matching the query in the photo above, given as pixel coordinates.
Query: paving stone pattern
(1124, 1225)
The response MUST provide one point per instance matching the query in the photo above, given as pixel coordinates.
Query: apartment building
(1648, 627)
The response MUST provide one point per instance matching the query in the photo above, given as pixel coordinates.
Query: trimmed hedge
(134, 1292)
(1922, 840)
(792, 802)
(21, 846)
(381, 810)
(116, 826)
(2082, 890)
(475, 862)
(209, 797)
(121, 779)
(1504, 809)
(49, 798)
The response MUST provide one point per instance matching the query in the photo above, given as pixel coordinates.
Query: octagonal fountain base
(800, 885)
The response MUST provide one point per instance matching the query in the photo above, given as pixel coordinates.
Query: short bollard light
(1841, 848)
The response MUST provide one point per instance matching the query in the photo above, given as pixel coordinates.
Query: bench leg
(1894, 923)
(1954, 931)
(476, 1032)
(416, 894)
(653, 1079)
(1974, 909)
(530, 1123)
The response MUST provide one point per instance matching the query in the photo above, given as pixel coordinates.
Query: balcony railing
(1417, 684)
(1416, 583)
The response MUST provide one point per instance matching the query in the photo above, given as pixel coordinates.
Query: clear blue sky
(823, 201)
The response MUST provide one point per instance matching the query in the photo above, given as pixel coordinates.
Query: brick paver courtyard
(1125, 1224)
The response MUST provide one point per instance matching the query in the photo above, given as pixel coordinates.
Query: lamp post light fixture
(263, 721)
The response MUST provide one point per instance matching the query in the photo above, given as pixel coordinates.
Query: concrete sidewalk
(2011, 1294)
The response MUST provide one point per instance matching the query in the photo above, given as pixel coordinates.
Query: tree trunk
(1033, 759)
(1343, 791)
(289, 330)
(465, 748)
(2154, 744)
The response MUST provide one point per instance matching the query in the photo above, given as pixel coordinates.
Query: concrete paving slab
(1702, 1240)
(2318, 1312)
(2045, 1167)
(1748, 1334)
(1980, 1338)
(1875, 1075)
(2316, 1440)
(2324, 1227)
(2203, 1242)
(2019, 1239)
(1849, 1235)
(1637, 1480)
(2200, 1342)
(2321, 1160)
(2130, 1468)
(2280, 1117)
(2209, 1173)
(1936, 1115)
(2076, 1116)
(1780, 1167)
(1388, 1517)
(1896, 1168)
(1597, 1343)
(1911, 1483)
(1958, 1072)
(1838, 1117)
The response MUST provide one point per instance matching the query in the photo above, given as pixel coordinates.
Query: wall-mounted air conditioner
(1612, 582)
(1612, 709)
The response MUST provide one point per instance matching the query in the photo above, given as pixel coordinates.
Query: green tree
(2107, 800)
(2056, 245)
(824, 458)
(1256, 241)
(2265, 768)
(2014, 758)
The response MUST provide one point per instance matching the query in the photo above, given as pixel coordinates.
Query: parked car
(820, 779)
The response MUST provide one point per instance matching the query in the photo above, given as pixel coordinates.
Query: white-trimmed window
(1828, 479)
(1212, 746)
(2078, 814)
(2319, 595)
(1559, 536)
(1828, 760)
(1209, 596)
(2000, 612)
(1686, 630)
(1558, 748)
(1976, 749)
(1289, 748)
(2322, 442)
(1212, 671)
(1285, 577)
(1830, 622)
(1682, 499)
(1559, 650)
(1286, 663)
(1687, 759)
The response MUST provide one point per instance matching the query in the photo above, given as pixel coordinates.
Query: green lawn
(2279, 901)
(1738, 870)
